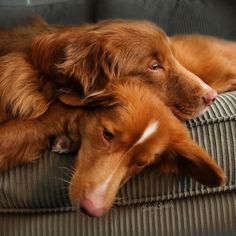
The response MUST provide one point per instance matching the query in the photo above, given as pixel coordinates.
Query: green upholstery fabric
(58, 12)
(209, 215)
(42, 186)
(214, 17)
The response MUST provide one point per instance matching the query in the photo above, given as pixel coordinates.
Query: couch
(33, 197)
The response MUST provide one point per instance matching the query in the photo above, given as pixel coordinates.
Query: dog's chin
(189, 114)
(200, 113)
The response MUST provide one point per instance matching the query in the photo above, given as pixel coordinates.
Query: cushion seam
(140, 201)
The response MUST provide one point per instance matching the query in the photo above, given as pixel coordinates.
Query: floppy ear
(187, 158)
(101, 99)
(75, 54)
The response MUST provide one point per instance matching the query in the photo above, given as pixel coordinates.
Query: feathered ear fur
(73, 53)
(187, 158)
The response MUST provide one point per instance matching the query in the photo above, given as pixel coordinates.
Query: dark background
(214, 17)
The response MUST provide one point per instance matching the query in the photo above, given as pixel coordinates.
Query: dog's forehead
(147, 132)
(130, 42)
(139, 126)
(133, 30)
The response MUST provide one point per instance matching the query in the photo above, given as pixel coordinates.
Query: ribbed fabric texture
(210, 215)
(42, 186)
(212, 17)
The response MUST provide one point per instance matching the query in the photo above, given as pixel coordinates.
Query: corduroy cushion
(214, 17)
(208, 215)
(42, 186)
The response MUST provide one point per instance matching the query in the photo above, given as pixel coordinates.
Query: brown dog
(122, 130)
(39, 60)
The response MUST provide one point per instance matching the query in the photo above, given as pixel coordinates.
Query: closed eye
(108, 135)
(140, 163)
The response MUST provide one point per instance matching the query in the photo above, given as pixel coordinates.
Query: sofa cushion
(42, 186)
(213, 215)
(65, 12)
(214, 17)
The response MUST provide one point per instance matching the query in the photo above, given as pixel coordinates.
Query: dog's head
(92, 54)
(131, 130)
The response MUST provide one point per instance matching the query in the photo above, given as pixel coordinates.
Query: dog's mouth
(182, 109)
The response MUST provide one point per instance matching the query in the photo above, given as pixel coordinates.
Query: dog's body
(21, 84)
(211, 59)
(126, 129)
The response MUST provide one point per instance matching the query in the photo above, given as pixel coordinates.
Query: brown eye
(155, 66)
(107, 134)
